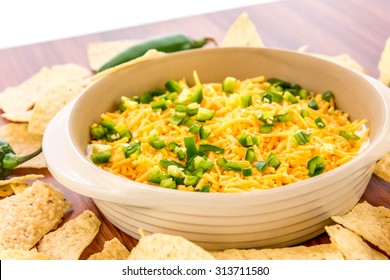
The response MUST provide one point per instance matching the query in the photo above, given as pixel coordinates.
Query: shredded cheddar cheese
(257, 115)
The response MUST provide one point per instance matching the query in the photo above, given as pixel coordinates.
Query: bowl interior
(212, 65)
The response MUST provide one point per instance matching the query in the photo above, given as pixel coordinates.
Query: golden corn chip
(112, 250)
(384, 64)
(14, 254)
(23, 143)
(6, 190)
(21, 179)
(22, 98)
(28, 216)
(51, 102)
(150, 54)
(315, 252)
(101, 52)
(370, 222)
(352, 245)
(69, 241)
(19, 187)
(159, 246)
(382, 167)
(242, 33)
(21, 116)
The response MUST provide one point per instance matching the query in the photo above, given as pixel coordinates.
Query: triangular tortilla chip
(384, 64)
(242, 33)
(101, 52)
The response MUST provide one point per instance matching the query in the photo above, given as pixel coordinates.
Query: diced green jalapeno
(221, 161)
(155, 141)
(348, 135)
(168, 183)
(191, 180)
(313, 104)
(131, 148)
(273, 161)
(101, 158)
(173, 86)
(165, 163)
(211, 148)
(193, 108)
(250, 155)
(282, 117)
(191, 150)
(246, 100)
(156, 176)
(204, 114)
(261, 165)
(97, 131)
(301, 137)
(266, 128)
(319, 123)
(272, 97)
(247, 171)
(197, 96)
(316, 166)
(204, 132)
(327, 95)
(305, 113)
(204, 188)
(145, 98)
(159, 104)
(290, 97)
(228, 84)
(233, 166)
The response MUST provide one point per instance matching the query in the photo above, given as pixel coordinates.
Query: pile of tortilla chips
(31, 229)
(32, 211)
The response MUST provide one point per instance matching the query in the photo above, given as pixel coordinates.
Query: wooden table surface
(331, 27)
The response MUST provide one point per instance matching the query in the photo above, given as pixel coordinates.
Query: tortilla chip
(345, 60)
(22, 98)
(150, 54)
(242, 33)
(51, 102)
(69, 241)
(14, 254)
(112, 250)
(159, 246)
(22, 116)
(27, 217)
(370, 222)
(384, 64)
(16, 185)
(352, 245)
(6, 190)
(315, 252)
(101, 52)
(382, 167)
(23, 143)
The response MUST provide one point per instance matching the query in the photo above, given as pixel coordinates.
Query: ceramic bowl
(278, 217)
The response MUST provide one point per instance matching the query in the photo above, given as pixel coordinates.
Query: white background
(30, 21)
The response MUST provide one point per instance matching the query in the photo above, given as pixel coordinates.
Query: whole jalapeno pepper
(9, 160)
(170, 43)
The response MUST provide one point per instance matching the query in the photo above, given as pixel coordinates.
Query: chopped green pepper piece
(327, 95)
(197, 96)
(204, 132)
(250, 155)
(233, 166)
(248, 140)
(194, 129)
(305, 113)
(156, 176)
(261, 165)
(221, 161)
(173, 86)
(247, 171)
(108, 126)
(228, 84)
(97, 131)
(173, 146)
(189, 143)
(131, 148)
(279, 82)
(266, 128)
(272, 97)
(290, 97)
(99, 158)
(177, 118)
(204, 188)
(319, 123)
(127, 104)
(165, 163)
(204, 114)
(313, 104)
(301, 137)
(168, 183)
(348, 135)
(273, 161)
(202, 163)
(159, 104)
(246, 100)
(211, 148)
(302, 93)
(146, 97)
(316, 166)
(193, 108)
(191, 180)
(155, 141)
(181, 108)
(282, 117)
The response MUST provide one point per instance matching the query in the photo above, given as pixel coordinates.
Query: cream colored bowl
(277, 217)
